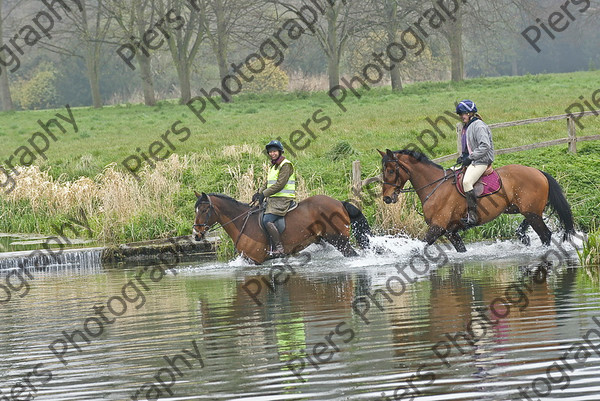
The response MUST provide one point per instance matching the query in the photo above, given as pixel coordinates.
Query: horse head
(206, 216)
(395, 175)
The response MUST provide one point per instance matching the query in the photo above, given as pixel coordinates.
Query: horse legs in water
(537, 222)
(522, 232)
(433, 234)
(342, 244)
(457, 241)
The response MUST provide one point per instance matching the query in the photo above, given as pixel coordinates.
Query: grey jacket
(479, 140)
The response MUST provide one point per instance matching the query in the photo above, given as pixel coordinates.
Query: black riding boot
(275, 240)
(471, 219)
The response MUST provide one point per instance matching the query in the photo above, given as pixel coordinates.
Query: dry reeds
(111, 200)
(401, 217)
(243, 184)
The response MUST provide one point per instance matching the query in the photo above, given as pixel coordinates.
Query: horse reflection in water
(525, 190)
(316, 218)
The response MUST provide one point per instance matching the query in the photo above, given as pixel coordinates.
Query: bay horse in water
(315, 218)
(525, 190)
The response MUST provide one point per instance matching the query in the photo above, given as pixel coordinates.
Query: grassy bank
(84, 169)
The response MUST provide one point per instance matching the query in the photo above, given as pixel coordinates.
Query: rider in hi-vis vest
(280, 193)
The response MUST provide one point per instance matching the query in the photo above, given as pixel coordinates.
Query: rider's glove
(466, 161)
(258, 197)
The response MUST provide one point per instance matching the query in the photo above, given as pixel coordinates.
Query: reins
(248, 213)
(401, 190)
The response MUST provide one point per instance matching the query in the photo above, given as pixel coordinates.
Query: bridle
(399, 188)
(211, 209)
(211, 227)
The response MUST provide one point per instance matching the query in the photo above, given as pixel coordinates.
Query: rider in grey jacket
(479, 140)
(477, 154)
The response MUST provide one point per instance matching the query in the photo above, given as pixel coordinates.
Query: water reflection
(305, 340)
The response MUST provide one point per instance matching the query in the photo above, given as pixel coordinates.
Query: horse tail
(359, 224)
(558, 202)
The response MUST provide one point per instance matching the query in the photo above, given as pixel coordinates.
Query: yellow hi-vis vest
(289, 191)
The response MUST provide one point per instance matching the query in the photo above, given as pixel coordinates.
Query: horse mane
(420, 157)
(223, 196)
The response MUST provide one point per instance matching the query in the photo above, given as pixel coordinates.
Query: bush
(272, 79)
(39, 92)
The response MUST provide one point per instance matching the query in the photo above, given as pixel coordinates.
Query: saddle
(279, 223)
(489, 183)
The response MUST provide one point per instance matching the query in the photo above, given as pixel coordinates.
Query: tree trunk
(5, 97)
(456, 50)
(333, 54)
(93, 77)
(146, 75)
(333, 70)
(458, 69)
(223, 71)
(395, 71)
(514, 66)
(396, 79)
(183, 72)
(221, 44)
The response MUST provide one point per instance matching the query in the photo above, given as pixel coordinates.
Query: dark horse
(315, 218)
(525, 190)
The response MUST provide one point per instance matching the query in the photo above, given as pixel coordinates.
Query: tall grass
(402, 217)
(118, 206)
(590, 253)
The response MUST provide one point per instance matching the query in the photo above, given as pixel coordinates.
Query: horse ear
(381, 153)
(197, 194)
(390, 154)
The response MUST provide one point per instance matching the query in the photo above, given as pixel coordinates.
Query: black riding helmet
(274, 145)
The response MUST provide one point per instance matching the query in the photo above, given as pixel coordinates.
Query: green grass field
(380, 119)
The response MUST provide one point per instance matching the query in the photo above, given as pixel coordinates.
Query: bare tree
(84, 33)
(341, 20)
(388, 16)
(493, 38)
(91, 28)
(227, 21)
(134, 18)
(183, 40)
(452, 31)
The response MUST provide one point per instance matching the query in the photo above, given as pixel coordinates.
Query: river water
(399, 323)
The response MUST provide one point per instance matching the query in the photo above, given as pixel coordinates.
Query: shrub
(39, 92)
(272, 79)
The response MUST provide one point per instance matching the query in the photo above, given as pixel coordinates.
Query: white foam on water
(385, 252)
